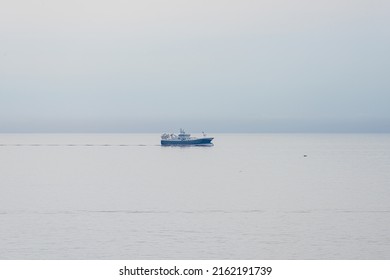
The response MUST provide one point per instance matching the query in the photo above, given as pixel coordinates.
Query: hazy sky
(215, 65)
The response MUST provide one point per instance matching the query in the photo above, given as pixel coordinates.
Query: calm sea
(250, 196)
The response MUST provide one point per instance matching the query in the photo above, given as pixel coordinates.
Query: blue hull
(201, 141)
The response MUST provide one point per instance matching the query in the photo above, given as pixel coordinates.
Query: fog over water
(296, 94)
(220, 66)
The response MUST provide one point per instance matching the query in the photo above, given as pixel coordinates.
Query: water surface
(250, 196)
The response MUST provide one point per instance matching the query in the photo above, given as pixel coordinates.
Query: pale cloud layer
(246, 65)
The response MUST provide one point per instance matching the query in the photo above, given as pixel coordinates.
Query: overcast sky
(214, 65)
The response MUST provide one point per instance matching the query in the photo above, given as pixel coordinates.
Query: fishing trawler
(184, 139)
